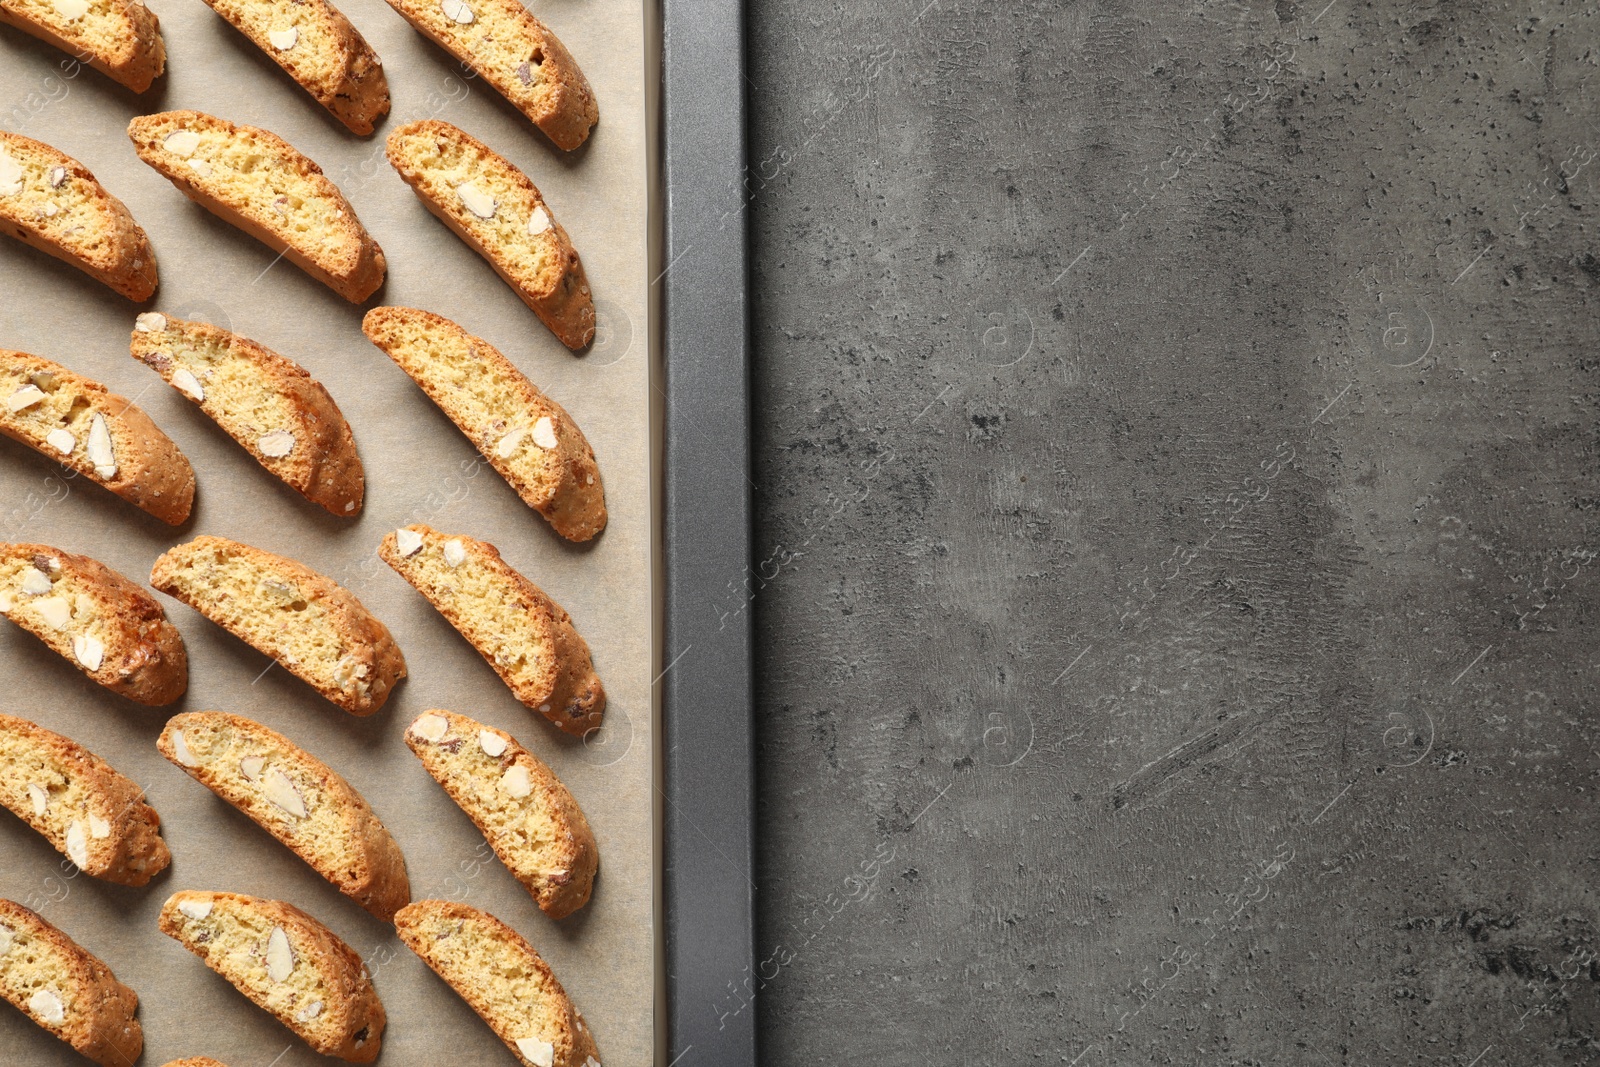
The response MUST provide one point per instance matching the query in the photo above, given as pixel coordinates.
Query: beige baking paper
(419, 469)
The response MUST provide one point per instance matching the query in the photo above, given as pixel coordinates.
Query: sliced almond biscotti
(527, 815)
(67, 990)
(95, 619)
(316, 629)
(196, 1061)
(503, 979)
(319, 48)
(505, 45)
(527, 638)
(96, 817)
(501, 215)
(527, 437)
(288, 963)
(296, 798)
(282, 416)
(260, 183)
(50, 201)
(119, 38)
(82, 425)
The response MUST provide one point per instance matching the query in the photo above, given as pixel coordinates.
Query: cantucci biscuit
(50, 201)
(316, 629)
(119, 38)
(319, 48)
(95, 619)
(288, 963)
(94, 816)
(527, 815)
(296, 798)
(503, 979)
(505, 45)
(280, 415)
(196, 1061)
(67, 990)
(527, 638)
(501, 215)
(527, 437)
(100, 435)
(260, 183)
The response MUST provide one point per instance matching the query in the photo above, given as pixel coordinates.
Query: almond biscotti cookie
(315, 628)
(282, 416)
(50, 201)
(259, 182)
(119, 38)
(197, 1061)
(503, 979)
(104, 437)
(288, 963)
(67, 990)
(318, 47)
(505, 45)
(501, 215)
(94, 816)
(527, 815)
(529, 439)
(527, 638)
(95, 619)
(296, 798)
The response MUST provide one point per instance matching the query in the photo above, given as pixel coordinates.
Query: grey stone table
(1177, 516)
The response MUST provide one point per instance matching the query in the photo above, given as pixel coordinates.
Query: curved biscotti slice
(96, 817)
(318, 47)
(296, 798)
(119, 38)
(50, 201)
(506, 46)
(104, 437)
(282, 416)
(260, 183)
(288, 963)
(527, 638)
(501, 215)
(527, 437)
(95, 619)
(66, 989)
(527, 815)
(503, 979)
(315, 628)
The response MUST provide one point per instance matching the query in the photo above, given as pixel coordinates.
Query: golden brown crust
(141, 655)
(335, 830)
(58, 207)
(571, 495)
(54, 784)
(558, 293)
(150, 471)
(369, 663)
(322, 464)
(328, 56)
(565, 689)
(350, 1018)
(346, 259)
(555, 860)
(196, 1061)
(129, 49)
(79, 999)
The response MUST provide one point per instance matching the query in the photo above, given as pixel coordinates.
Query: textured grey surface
(1176, 586)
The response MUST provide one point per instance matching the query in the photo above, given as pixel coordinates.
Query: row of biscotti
(118, 635)
(497, 40)
(290, 424)
(299, 971)
(260, 183)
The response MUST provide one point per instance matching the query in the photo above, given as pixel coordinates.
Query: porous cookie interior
(60, 805)
(274, 784)
(54, 413)
(45, 194)
(101, 29)
(52, 602)
(455, 174)
(313, 55)
(37, 975)
(499, 47)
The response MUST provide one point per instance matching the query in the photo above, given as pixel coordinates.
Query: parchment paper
(419, 469)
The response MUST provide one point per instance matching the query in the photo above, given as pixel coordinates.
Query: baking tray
(656, 959)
